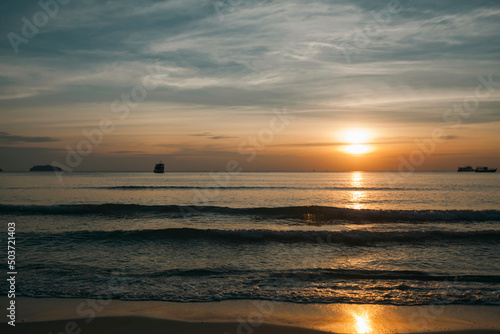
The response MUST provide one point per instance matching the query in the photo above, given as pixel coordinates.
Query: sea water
(353, 237)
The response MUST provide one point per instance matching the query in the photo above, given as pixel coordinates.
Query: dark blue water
(298, 237)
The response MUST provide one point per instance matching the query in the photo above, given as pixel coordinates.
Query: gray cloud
(8, 138)
(210, 136)
(290, 51)
(262, 55)
(126, 152)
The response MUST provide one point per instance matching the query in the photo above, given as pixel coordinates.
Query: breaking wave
(315, 213)
(350, 237)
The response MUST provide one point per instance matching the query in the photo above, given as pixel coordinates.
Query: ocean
(339, 237)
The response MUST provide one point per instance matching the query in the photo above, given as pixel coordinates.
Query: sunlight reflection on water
(357, 197)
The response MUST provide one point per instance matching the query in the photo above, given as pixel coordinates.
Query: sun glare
(362, 324)
(356, 138)
(356, 149)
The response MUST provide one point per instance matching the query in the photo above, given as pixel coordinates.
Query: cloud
(220, 137)
(291, 53)
(125, 152)
(230, 72)
(204, 134)
(211, 136)
(380, 141)
(318, 144)
(8, 138)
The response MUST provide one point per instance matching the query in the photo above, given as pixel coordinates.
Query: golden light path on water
(356, 197)
(362, 324)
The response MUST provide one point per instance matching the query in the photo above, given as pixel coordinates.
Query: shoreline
(67, 315)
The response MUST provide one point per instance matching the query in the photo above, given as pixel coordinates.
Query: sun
(357, 138)
(357, 149)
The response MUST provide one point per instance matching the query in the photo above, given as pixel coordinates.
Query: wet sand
(76, 316)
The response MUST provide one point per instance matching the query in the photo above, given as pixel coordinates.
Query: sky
(268, 85)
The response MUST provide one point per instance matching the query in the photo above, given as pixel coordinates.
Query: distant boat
(485, 170)
(465, 169)
(159, 168)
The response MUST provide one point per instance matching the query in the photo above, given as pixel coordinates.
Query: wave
(246, 187)
(309, 213)
(349, 237)
(265, 275)
(475, 297)
(304, 286)
(230, 188)
(324, 274)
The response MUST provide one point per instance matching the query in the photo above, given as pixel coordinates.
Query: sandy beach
(53, 315)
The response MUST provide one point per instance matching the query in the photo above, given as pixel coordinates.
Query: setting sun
(356, 137)
(357, 149)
